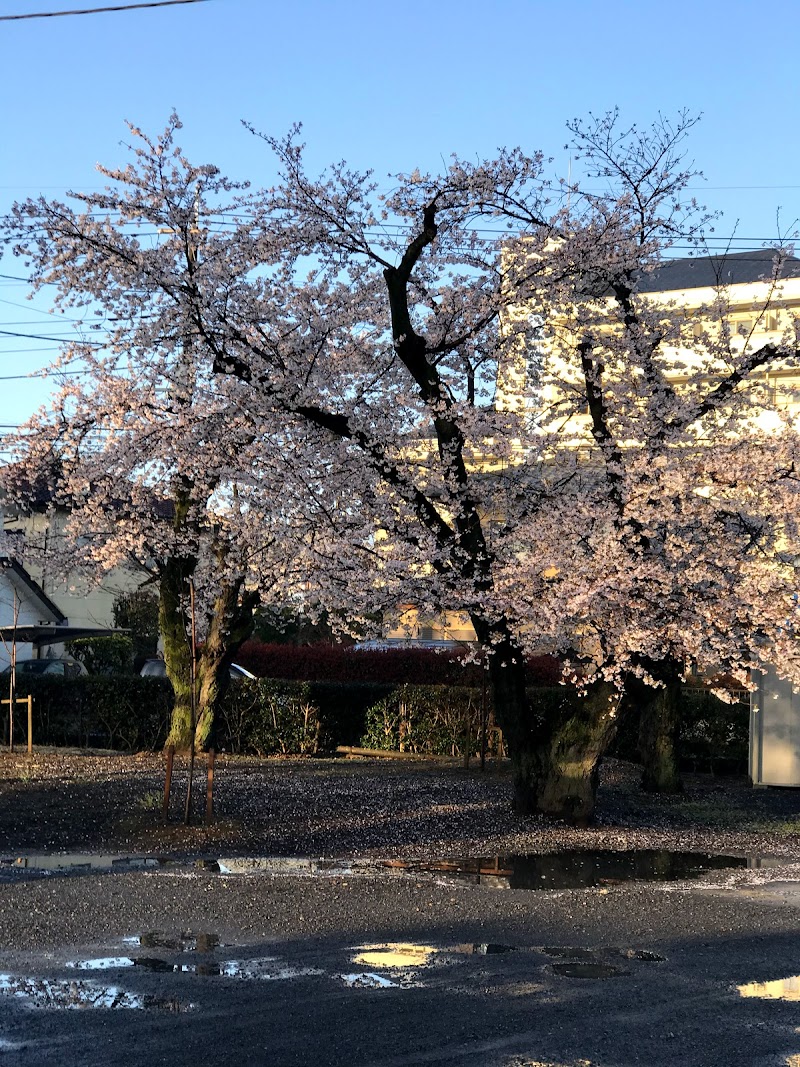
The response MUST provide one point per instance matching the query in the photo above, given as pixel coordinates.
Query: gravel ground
(183, 964)
(71, 801)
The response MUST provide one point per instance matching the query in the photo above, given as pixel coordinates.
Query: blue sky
(388, 86)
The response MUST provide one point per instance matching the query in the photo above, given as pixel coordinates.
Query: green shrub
(713, 735)
(426, 719)
(103, 655)
(266, 716)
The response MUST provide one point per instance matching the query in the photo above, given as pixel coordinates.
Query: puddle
(267, 968)
(779, 989)
(68, 994)
(578, 869)
(81, 861)
(400, 955)
(395, 955)
(290, 865)
(587, 970)
(104, 963)
(184, 942)
(367, 981)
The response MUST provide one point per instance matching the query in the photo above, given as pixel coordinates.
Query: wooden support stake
(28, 702)
(187, 810)
(168, 782)
(484, 716)
(210, 786)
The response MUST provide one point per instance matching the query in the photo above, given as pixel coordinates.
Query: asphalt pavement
(186, 965)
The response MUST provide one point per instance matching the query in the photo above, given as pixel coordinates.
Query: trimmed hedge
(426, 719)
(397, 666)
(343, 708)
(265, 716)
(268, 716)
(714, 736)
(94, 712)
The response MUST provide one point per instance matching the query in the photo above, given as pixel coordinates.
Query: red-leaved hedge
(338, 663)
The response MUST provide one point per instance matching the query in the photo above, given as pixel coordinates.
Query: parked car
(58, 667)
(157, 668)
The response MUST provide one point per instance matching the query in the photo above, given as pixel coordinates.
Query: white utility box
(774, 731)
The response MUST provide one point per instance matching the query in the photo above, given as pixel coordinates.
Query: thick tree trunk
(659, 724)
(555, 760)
(231, 625)
(570, 758)
(177, 650)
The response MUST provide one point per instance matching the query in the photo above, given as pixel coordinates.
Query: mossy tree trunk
(175, 574)
(231, 625)
(569, 759)
(659, 727)
(555, 760)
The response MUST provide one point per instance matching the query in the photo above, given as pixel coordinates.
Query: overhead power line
(97, 10)
(48, 337)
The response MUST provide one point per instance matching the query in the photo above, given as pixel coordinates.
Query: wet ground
(662, 941)
(183, 965)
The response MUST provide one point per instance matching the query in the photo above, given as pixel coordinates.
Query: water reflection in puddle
(68, 994)
(394, 955)
(367, 981)
(103, 963)
(184, 942)
(404, 956)
(643, 955)
(779, 989)
(565, 952)
(81, 861)
(578, 869)
(266, 968)
(290, 865)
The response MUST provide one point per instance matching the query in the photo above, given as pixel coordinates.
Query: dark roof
(733, 268)
(41, 635)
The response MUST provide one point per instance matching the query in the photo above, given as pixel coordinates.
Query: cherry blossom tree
(691, 477)
(627, 541)
(476, 406)
(147, 447)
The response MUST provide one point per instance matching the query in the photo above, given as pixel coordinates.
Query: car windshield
(40, 666)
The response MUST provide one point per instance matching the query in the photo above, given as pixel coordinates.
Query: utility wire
(97, 10)
(47, 337)
(40, 374)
